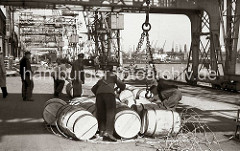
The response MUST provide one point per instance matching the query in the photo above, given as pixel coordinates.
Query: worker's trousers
(171, 98)
(27, 88)
(58, 86)
(4, 91)
(77, 88)
(106, 110)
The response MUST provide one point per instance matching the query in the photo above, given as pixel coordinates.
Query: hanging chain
(146, 27)
(149, 49)
(140, 43)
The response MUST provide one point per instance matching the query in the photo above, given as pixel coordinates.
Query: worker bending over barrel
(106, 102)
(165, 95)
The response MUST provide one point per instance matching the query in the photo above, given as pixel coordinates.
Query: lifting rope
(146, 27)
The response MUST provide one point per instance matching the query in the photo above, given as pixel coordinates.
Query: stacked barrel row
(71, 121)
(127, 122)
(155, 121)
(77, 118)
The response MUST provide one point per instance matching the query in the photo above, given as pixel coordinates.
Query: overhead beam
(171, 4)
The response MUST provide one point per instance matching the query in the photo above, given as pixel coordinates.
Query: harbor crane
(214, 24)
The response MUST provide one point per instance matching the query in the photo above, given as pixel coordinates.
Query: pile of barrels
(77, 119)
(154, 120)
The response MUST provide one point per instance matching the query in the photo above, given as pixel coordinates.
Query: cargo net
(193, 136)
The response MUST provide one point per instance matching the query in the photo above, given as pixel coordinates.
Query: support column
(195, 19)
(214, 15)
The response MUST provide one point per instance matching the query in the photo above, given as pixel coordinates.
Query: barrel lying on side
(127, 97)
(127, 122)
(76, 122)
(86, 103)
(160, 122)
(50, 110)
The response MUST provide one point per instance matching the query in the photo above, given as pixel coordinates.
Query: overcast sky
(172, 28)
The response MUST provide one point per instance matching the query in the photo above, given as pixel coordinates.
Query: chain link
(140, 43)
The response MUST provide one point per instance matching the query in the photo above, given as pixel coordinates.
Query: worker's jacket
(77, 68)
(60, 72)
(25, 68)
(2, 72)
(107, 84)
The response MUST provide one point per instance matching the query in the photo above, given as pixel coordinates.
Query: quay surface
(22, 127)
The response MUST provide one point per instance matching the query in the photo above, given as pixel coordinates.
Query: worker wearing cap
(3, 76)
(26, 76)
(106, 103)
(165, 95)
(77, 75)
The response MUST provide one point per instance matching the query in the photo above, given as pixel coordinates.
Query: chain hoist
(146, 27)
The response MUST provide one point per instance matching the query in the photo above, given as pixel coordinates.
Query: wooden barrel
(50, 110)
(88, 104)
(133, 89)
(127, 121)
(79, 100)
(69, 90)
(76, 122)
(142, 104)
(124, 116)
(127, 97)
(160, 122)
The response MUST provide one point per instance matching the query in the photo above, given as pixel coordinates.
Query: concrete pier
(22, 127)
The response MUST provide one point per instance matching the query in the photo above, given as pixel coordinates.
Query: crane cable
(146, 27)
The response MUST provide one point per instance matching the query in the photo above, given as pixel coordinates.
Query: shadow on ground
(18, 117)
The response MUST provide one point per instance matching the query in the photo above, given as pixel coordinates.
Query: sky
(170, 28)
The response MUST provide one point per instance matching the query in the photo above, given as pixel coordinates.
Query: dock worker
(106, 102)
(26, 76)
(77, 75)
(59, 76)
(3, 76)
(165, 95)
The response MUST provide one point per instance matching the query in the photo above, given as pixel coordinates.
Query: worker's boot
(109, 137)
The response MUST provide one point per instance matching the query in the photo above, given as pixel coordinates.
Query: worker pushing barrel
(106, 102)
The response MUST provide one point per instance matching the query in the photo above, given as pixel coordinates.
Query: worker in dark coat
(106, 103)
(26, 76)
(77, 75)
(59, 76)
(165, 95)
(3, 76)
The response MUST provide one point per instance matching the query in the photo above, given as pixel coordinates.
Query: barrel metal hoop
(138, 93)
(70, 117)
(144, 118)
(155, 126)
(173, 125)
(59, 130)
